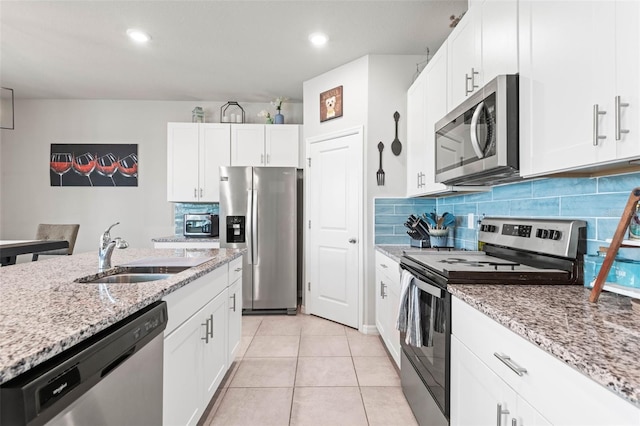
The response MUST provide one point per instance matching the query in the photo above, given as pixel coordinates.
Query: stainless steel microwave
(201, 225)
(477, 142)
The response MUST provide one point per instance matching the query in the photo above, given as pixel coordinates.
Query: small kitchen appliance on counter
(514, 251)
(201, 225)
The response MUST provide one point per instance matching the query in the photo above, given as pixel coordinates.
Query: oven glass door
(431, 360)
(469, 139)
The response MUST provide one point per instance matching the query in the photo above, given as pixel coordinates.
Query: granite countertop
(44, 312)
(600, 340)
(183, 239)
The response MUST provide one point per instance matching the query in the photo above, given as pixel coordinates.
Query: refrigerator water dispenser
(235, 229)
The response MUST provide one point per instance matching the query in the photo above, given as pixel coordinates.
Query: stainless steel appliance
(477, 143)
(112, 378)
(514, 251)
(259, 212)
(201, 225)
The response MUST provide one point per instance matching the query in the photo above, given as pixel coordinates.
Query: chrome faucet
(106, 248)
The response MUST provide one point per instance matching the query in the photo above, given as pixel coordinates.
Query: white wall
(26, 197)
(374, 87)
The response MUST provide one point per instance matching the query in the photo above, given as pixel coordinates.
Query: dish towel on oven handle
(409, 310)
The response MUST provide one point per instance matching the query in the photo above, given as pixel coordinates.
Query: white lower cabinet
(235, 308)
(547, 391)
(480, 397)
(387, 303)
(196, 344)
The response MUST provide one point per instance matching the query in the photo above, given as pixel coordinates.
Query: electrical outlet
(470, 222)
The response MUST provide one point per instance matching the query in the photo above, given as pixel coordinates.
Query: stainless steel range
(514, 251)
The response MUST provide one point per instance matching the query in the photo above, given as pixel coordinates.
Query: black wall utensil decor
(380, 172)
(396, 146)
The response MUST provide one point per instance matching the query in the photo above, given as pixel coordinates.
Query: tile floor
(304, 370)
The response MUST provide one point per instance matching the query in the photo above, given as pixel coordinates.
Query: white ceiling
(202, 50)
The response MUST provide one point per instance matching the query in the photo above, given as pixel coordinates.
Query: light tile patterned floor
(304, 370)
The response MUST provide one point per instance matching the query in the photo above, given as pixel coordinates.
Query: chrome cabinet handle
(195, 192)
(352, 240)
(509, 363)
(261, 158)
(234, 302)
(382, 265)
(200, 192)
(268, 159)
(418, 175)
(237, 270)
(619, 130)
(470, 78)
(383, 294)
(207, 332)
(499, 414)
(596, 130)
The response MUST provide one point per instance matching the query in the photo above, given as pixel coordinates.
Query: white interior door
(334, 261)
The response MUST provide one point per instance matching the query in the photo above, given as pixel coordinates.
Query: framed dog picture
(331, 104)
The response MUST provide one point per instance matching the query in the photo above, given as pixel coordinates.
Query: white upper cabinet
(195, 151)
(483, 45)
(576, 58)
(265, 145)
(464, 58)
(281, 145)
(426, 104)
(247, 145)
(416, 135)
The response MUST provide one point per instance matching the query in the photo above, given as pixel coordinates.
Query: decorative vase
(269, 120)
(279, 118)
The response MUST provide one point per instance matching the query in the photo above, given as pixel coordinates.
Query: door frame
(307, 302)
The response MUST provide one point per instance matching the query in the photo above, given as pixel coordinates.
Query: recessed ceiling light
(318, 39)
(138, 36)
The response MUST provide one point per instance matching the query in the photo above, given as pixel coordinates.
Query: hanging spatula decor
(396, 146)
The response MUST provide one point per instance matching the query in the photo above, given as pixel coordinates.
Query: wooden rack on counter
(616, 242)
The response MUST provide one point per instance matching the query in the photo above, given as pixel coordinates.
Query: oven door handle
(428, 288)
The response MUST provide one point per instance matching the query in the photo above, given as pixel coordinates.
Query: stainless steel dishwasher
(112, 378)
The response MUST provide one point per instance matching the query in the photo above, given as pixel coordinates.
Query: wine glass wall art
(94, 165)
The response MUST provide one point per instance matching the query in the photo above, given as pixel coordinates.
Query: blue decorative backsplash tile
(599, 201)
(392, 213)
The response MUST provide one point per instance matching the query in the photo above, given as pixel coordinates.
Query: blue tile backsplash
(180, 209)
(598, 201)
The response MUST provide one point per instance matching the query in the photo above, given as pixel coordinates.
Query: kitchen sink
(135, 274)
(127, 278)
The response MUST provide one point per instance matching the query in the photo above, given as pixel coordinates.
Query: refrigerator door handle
(249, 222)
(254, 227)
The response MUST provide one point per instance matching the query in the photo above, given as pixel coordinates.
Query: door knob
(352, 240)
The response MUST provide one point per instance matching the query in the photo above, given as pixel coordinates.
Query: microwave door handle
(474, 130)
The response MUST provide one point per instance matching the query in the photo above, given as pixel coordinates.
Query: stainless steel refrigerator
(259, 212)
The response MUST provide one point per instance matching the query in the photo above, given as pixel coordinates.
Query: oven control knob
(555, 235)
(545, 234)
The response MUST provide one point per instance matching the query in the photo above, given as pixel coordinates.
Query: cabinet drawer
(235, 269)
(184, 302)
(390, 267)
(546, 381)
